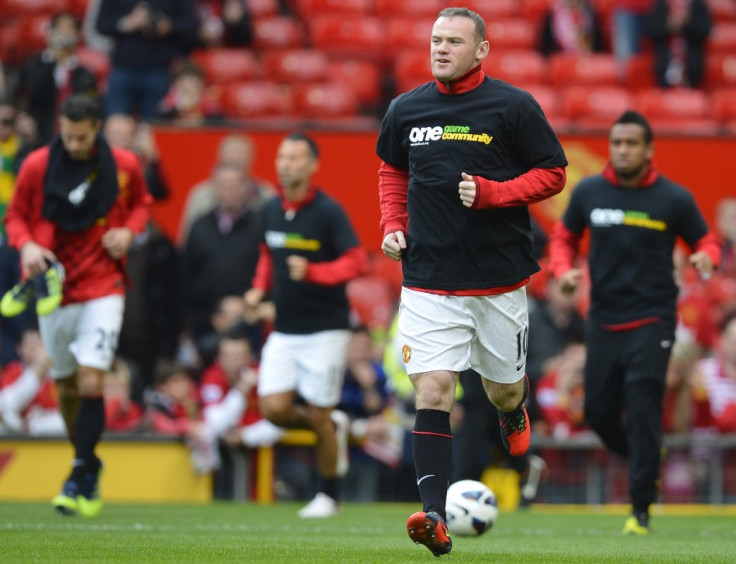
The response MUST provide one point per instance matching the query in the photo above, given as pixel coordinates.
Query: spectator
(28, 403)
(223, 23)
(171, 404)
(679, 30)
(149, 37)
(364, 391)
(726, 226)
(237, 150)
(122, 130)
(49, 77)
(122, 412)
(629, 19)
(187, 104)
(221, 251)
(717, 376)
(571, 26)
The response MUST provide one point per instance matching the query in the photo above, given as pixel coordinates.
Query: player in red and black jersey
(635, 216)
(462, 158)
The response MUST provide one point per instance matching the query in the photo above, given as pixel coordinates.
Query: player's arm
(347, 266)
(533, 186)
(393, 184)
(261, 283)
(563, 249)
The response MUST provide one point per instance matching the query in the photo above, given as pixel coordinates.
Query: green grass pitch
(363, 533)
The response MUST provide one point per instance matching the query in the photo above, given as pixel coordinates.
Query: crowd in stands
(188, 352)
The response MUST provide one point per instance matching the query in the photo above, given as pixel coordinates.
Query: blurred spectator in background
(679, 30)
(223, 23)
(571, 26)
(149, 37)
(122, 130)
(17, 138)
(717, 376)
(221, 252)
(629, 20)
(93, 38)
(171, 403)
(122, 412)
(187, 104)
(236, 150)
(28, 404)
(554, 322)
(153, 317)
(685, 401)
(726, 227)
(364, 392)
(49, 77)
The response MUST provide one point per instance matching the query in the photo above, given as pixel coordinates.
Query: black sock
(432, 448)
(330, 486)
(88, 430)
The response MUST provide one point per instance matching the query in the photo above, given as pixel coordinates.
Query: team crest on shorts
(406, 353)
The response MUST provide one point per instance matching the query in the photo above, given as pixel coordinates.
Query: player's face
(629, 152)
(295, 164)
(455, 48)
(78, 137)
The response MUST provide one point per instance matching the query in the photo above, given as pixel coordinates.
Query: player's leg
(94, 348)
(604, 387)
(649, 353)
(499, 355)
(322, 358)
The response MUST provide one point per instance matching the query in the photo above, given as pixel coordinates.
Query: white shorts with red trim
(486, 333)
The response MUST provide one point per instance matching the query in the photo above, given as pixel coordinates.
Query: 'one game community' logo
(283, 240)
(423, 135)
(606, 217)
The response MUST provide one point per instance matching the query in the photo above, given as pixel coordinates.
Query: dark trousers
(624, 391)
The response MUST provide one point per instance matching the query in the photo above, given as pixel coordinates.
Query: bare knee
(90, 381)
(435, 390)
(505, 397)
(276, 408)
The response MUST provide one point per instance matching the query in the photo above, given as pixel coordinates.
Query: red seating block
(333, 99)
(260, 98)
(348, 36)
(364, 76)
(278, 32)
(428, 8)
(511, 33)
(227, 65)
(589, 69)
(516, 66)
(296, 65)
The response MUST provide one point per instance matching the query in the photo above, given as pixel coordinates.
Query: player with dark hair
(634, 215)
(309, 252)
(462, 158)
(78, 204)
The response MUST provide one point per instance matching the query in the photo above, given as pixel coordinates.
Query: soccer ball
(471, 508)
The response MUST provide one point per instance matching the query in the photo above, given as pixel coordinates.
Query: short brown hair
(480, 24)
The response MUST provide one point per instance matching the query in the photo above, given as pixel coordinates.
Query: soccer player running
(634, 215)
(462, 158)
(309, 252)
(79, 202)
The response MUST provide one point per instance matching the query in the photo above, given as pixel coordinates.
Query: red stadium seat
(318, 100)
(364, 76)
(595, 107)
(278, 32)
(722, 10)
(516, 67)
(406, 32)
(418, 8)
(259, 98)
(410, 69)
(227, 64)
(511, 33)
(723, 104)
(263, 8)
(491, 9)
(310, 8)
(534, 10)
(640, 72)
(11, 51)
(96, 61)
(675, 103)
(28, 7)
(348, 36)
(79, 7)
(547, 97)
(296, 65)
(590, 69)
(372, 300)
(722, 38)
(720, 70)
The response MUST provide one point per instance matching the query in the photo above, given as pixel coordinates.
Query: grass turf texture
(364, 533)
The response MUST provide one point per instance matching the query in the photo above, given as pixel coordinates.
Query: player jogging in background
(462, 158)
(309, 252)
(634, 215)
(78, 204)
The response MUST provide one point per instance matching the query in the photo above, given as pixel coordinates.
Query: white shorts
(82, 334)
(313, 365)
(486, 333)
